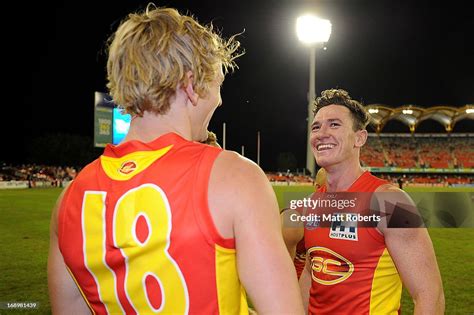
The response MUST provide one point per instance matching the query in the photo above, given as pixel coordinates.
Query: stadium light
(312, 31)
(407, 111)
(373, 110)
(470, 111)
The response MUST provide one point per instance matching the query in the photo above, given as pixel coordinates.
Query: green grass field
(25, 216)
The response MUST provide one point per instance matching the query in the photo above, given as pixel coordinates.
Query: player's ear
(188, 88)
(361, 138)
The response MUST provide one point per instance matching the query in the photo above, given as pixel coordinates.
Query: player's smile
(325, 146)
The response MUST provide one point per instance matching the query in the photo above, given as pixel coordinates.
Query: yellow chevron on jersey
(127, 166)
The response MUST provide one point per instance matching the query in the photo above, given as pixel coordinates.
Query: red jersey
(351, 269)
(137, 235)
(300, 257)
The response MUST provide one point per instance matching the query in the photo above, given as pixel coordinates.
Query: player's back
(136, 232)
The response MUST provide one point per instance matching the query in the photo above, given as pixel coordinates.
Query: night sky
(381, 51)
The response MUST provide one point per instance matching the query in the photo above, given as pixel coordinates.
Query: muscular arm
(292, 233)
(413, 254)
(63, 293)
(305, 284)
(241, 190)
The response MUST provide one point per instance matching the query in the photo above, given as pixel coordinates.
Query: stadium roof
(412, 115)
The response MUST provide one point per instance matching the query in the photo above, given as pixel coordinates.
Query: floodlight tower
(313, 32)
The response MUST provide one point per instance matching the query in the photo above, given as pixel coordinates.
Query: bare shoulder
(238, 187)
(399, 213)
(388, 188)
(232, 172)
(236, 178)
(391, 193)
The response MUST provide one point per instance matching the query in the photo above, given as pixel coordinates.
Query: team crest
(344, 229)
(329, 267)
(127, 167)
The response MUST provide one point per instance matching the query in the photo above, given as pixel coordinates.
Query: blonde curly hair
(151, 51)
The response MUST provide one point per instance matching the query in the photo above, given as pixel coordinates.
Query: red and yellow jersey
(352, 271)
(137, 235)
(300, 257)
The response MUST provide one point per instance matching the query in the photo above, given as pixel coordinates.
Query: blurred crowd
(33, 173)
(399, 179)
(289, 178)
(418, 152)
(57, 175)
(428, 179)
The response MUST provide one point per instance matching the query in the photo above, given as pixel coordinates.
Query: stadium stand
(419, 151)
(373, 153)
(421, 159)
(463, 152)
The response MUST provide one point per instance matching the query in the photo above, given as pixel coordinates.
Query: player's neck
(151, 126)
(341, 177)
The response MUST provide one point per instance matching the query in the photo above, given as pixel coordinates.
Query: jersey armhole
(61, 216)
(201, 209)
(374, 231)
(376, 234)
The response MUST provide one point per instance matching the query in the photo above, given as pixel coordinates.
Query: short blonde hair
(151, 51)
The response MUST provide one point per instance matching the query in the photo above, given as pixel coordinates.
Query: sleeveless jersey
(300, 257)
(137, 235)
(351, 269)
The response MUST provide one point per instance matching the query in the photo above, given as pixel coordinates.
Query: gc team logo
(127, 167)
(328, 267)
